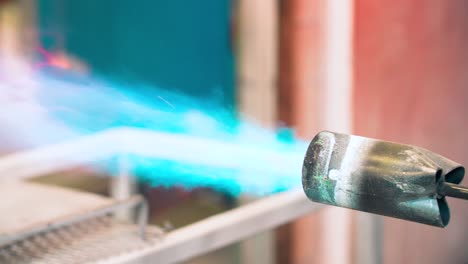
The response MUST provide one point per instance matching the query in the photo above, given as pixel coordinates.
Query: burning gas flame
(66, 105)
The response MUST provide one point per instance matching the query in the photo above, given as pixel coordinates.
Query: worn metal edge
(223, 229)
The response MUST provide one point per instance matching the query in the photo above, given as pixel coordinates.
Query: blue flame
(85, 106)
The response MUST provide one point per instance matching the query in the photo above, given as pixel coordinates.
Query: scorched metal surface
(380, 177)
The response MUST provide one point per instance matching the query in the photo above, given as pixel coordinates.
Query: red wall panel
(411, 85)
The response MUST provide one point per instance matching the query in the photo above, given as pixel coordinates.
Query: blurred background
(394, 70)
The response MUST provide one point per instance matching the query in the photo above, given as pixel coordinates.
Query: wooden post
(315, 94)
(257, 29)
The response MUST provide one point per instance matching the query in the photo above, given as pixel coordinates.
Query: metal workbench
(99, 236)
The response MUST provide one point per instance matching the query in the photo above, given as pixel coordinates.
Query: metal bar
(123, 185)
(56, 157)
(142, 218)
(223, 229)
(145, 143)
(453, 190)
(73, 219)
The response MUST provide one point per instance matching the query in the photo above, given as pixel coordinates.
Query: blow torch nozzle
(381, 177)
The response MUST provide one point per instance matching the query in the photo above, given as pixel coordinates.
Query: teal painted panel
(173, 44)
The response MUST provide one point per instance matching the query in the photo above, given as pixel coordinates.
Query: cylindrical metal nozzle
(379, 177)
